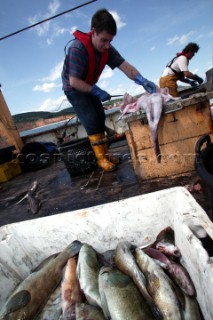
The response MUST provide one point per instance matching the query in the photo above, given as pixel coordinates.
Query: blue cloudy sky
(149, 35)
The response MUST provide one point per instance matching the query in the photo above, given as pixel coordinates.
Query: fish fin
(104, 306)
(153, 282)
(78, 270)
(75, 247)
(18, 301)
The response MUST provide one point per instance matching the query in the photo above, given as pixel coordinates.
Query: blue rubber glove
(191, 82)
(98, 92)
(148, 85)
(198, 79)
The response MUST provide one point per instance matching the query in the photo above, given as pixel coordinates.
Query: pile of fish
(126, 283)
(152, 105)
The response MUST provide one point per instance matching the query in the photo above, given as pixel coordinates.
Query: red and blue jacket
(93, 73)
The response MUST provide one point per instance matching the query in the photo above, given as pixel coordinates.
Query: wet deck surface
(58, 192)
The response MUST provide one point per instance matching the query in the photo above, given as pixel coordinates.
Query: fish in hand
(152, 105)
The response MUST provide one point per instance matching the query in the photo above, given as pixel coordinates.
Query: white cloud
(49, 84)
(200, 36)
(43, 29)
(185, 37)
(55, 73)
(45, 87)
(107, 73)
(210, 34)
(180, 39)
(49, 41)
(122, 88)
(119, 22)
(58, 31)
(171, 41)
(73, 29)
(152, 48)
(53, 6)
(132, 88)
(103, 84)
(52, 105)
(195, 71)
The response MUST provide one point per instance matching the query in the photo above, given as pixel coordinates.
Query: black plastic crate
(78, 157)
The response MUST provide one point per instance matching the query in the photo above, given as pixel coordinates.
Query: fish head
(127, 99)
(168, 248)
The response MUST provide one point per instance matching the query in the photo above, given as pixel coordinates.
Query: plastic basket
(78, 157)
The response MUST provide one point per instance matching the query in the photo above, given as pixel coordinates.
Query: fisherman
(177, 69)
(84, 62)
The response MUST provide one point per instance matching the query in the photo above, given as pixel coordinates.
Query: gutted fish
(177, 272)
(71, 292)
(152, 104)
(182, 278)
(165, 243)
(159, 257)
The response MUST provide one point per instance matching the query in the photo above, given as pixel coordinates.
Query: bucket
(204, 164)
(78, 157)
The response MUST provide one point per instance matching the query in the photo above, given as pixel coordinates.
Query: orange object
(9, 134)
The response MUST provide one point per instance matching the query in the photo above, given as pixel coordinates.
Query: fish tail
(155, 310)
(152, 306)
(156, 144)
(158, 157)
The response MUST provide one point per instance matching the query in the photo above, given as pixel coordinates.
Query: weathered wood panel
(178, 133)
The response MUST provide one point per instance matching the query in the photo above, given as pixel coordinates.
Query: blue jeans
(89, 110)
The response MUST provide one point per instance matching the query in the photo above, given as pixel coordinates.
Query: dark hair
(191, 47)
(102, 20)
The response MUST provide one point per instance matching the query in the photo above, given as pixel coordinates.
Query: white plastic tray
(138, 219)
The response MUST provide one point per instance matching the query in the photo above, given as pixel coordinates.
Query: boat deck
(58, 192)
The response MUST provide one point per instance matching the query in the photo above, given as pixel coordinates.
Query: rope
(35, 24)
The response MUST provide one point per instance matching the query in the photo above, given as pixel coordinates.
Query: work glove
(98, 92)
(191, 82)
(198, 79)
(148, 85)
